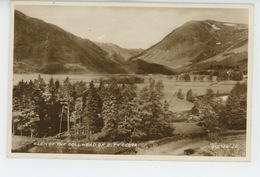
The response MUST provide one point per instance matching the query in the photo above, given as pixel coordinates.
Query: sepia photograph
(135, 81)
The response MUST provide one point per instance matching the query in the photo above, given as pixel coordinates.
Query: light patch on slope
(229, 24)
(214, 26)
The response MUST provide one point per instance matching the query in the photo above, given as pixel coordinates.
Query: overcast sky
(128, 27)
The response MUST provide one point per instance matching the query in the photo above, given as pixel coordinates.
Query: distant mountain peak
(122, 54)
(195, 41)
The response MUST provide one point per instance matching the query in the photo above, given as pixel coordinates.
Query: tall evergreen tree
(67, 99)
(38, 96)
(110, 111)
(92, 110)
(53, 105)
(152, 111)
(235, 113)
(128, 113)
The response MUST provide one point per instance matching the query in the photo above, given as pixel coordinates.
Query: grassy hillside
(45, 48)
(197, 41)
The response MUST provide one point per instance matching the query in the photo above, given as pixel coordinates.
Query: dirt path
(174, 148)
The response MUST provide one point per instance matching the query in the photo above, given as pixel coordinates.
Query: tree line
(236, 75)
(96, 111)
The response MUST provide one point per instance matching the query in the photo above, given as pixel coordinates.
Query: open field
(170, 85)
(177, 105)
(186, 128)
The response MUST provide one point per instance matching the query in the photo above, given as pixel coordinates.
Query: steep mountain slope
(143, 67)
(138, 66)
(40, 47)
(195, 42)
(119, 53)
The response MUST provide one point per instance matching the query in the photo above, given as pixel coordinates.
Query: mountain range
(41, 47)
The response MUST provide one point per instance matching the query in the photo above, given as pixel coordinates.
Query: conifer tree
(186, 77)
(92, 110)
(180, 94)
(53, 104)
(128, 113)
(189, 96)
(209, 94)
(235, 113)
(152, 111)
(66, 94)
(110, 111)
(39, 98)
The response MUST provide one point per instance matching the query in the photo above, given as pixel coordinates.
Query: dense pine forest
(98, 112)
